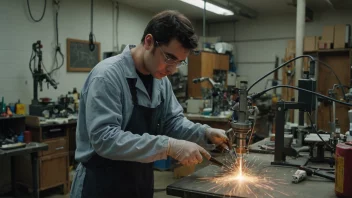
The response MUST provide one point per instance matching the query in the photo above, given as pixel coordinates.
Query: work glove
(187, 153)
(217, 137)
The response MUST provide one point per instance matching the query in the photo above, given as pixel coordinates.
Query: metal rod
(204, 20)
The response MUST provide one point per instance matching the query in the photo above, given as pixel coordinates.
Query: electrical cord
(316, 131)
(338, 80)
(300, 89)
(57, 47)
(282, 65)
(91, 35)
(30, 12)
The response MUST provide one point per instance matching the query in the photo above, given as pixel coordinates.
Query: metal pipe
(204, 20)
(300, 29)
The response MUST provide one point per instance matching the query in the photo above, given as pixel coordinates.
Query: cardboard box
(309, 43)
(339, 36)
(317, 39)
(328, 33)
(291, 46)
(324, 44)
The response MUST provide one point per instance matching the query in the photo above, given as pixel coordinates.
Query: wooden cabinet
(340, 61)
(54, 162)
(203, 65)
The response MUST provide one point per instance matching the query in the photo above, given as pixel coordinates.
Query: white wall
(258, 41)
(18, 33)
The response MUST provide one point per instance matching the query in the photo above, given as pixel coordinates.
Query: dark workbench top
(277, 178)
(29, 148)
(199, 117)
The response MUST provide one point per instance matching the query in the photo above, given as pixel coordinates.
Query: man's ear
(148, 42)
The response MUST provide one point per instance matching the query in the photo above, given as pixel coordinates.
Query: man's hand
(218, 137)
(187, 153)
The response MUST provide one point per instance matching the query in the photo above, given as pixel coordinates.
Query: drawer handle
(59, 148)
(54, 130)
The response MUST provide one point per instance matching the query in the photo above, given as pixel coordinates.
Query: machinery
(242, 126)
(217, 95)
(36, 108)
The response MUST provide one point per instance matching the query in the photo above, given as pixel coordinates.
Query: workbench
(280, 178)
(32, 149)
(55, 161)
(219, 122)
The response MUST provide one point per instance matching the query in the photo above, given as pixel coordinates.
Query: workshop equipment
(242, 126)
(220, 164)
(299, 176)
(343, 159)
(35, 108)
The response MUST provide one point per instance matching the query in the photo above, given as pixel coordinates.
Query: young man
(129, 116)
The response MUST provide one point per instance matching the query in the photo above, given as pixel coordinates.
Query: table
(220, 122)
(201, 183)
(31, 148)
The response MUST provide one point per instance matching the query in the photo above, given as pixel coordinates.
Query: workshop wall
(256, 42)
(18, 32)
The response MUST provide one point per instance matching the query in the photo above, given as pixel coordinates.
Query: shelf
(328, 51)
(13, 117)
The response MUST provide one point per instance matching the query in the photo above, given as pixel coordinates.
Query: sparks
(243, 182)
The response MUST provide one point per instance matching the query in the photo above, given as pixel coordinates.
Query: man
(129, 116)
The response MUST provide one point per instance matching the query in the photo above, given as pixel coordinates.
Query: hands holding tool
(218, 137)
(187, 153)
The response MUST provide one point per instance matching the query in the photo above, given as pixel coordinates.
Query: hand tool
(220, 164)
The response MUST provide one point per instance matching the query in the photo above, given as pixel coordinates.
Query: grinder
(242, 126)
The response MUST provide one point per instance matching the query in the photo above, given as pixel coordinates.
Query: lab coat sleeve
(176, 125)
(104, 118)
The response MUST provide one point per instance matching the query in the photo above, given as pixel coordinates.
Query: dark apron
(107, 178)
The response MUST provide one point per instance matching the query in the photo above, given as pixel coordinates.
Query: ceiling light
(210, 7)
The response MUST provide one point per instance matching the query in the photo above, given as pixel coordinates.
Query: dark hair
(171, 24)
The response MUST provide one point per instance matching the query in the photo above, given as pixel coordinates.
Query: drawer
(52, 132)
(55, 146)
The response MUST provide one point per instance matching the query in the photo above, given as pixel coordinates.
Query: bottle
(20, 108)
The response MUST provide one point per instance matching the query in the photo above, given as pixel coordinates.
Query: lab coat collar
(130, 72)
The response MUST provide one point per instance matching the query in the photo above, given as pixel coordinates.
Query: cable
(297, 88)
(91, 35)
(313, 127)
(338, 80)
(30, 62)
(57, 47)
(254, 123)
(282, 65)
(30, 13)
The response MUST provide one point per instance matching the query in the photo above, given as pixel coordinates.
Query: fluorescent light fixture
(210, 7)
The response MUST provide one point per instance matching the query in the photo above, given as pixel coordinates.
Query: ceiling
(270, 7)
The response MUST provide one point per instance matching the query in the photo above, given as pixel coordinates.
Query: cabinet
(54, 162)
(340, 60)
(203, 65)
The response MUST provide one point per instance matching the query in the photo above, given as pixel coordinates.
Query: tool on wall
(91, 35)
(38, 73)
(30, 12)
(56, 66)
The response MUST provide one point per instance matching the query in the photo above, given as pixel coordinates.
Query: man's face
(162, 59)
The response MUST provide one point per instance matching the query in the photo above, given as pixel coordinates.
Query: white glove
(217, 137)
(187, 153)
